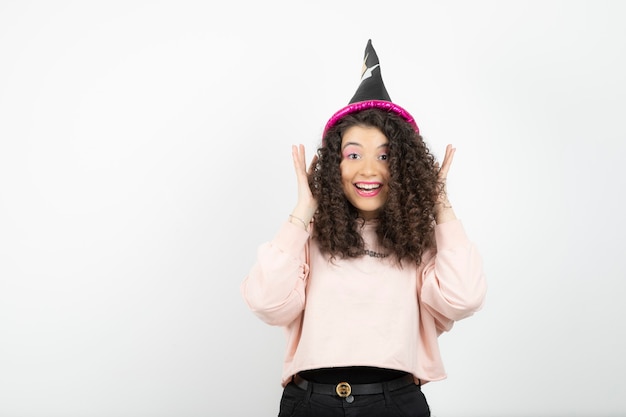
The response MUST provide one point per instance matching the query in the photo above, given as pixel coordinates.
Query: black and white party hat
(371, 92)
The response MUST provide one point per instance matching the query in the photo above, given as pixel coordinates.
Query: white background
(145, 154)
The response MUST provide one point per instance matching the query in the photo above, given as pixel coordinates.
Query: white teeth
(368, 186)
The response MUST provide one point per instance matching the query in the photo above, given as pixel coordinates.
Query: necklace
(374, 254)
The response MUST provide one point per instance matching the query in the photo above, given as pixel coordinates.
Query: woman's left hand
(442, 205)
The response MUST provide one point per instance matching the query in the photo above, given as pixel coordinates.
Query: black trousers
(404, 402)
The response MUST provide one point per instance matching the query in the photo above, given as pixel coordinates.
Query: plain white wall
(145, 154)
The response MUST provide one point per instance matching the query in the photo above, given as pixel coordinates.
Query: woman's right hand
(306, 205)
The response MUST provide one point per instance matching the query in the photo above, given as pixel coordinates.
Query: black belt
(344, 389)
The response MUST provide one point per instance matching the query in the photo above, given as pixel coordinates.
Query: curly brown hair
(405, 227)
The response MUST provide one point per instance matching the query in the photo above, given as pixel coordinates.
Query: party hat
(371, 92)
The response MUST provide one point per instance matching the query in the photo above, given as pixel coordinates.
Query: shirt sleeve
(453, 282)
(275, 287)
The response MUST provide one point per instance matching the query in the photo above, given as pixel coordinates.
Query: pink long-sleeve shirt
(364, 311)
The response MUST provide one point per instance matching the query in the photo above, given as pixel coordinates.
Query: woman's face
(365, 170)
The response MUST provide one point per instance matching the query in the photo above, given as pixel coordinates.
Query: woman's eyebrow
(351, 143)
(383, 145)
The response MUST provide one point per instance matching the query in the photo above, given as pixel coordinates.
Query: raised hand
(443, 208)
(306, 204)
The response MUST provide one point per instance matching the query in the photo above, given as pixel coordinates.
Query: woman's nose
(368, 167)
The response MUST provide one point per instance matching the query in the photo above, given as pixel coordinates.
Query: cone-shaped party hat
(371, 93)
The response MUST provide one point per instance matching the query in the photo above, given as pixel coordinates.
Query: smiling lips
(368, 189)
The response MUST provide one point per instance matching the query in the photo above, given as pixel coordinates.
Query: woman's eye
(353, 156)
(384, 157)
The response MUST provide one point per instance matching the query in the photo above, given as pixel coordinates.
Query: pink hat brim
(369, 104)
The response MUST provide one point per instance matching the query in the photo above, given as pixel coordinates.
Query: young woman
(370, 267)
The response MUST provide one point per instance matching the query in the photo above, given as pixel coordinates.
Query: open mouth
(368, 189)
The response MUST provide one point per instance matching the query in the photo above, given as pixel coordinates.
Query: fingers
(447, 161)
(306, 204)
(299, 158)
(297, 153)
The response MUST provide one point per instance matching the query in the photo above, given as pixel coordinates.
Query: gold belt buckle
(343, 389)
